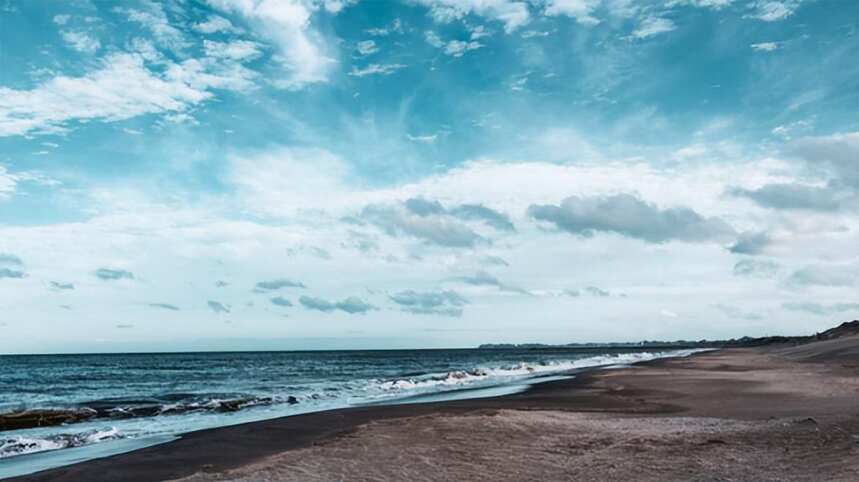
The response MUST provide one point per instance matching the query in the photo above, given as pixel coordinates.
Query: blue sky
(320, 174)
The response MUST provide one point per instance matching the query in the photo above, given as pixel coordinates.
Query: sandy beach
(773, 413)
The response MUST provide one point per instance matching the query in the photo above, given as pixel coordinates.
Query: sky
(309, 174)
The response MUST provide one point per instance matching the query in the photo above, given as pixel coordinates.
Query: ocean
(124, 401)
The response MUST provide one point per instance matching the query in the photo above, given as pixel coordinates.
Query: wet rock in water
(43, 418)
(291, 400)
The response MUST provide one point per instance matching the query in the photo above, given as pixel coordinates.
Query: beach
(778, 412)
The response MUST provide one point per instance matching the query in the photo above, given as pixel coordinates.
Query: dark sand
(756, 414)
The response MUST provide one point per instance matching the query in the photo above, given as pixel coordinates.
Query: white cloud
(367, 47)
(81, 41)
(122, 88)
(62, 19)
(302, 49)
(773, 11)
(235, 50)
(376, 69)
(651, 26)
(765, 46)
(581, 10)
(513, 14)
(153, 18)
(427, 139)
(215, 24)
(454, 48)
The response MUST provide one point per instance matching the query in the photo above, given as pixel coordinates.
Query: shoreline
(740, 385)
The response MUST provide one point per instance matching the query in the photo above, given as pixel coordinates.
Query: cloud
(124, 326)
(773, 11)
(833, 155)
(122, 88)
(513, 14)
(444, 303)
(598, 292)
(493, 261)
(366, 47)
(751, 242)
(796, 197)
(482, 278)
(824, 275)
(218, 307)
(376, 69)
(164, 306)
(651, 26)
(241, 50)
(630, 216)
(153, 18)
(581, 10)
(287, 23)
(454, 48)
(108, 274)
(756, 268)
(81, 41)
(438, 230)
(57, 286)
(480, 212)
(280, 301)
(765, 46)
(821, 309)
(215, 24)
(279, 283)
(10, 260)
(221, 284)
(11, 273)
(351, 305)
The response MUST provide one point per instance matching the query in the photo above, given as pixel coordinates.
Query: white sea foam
(20, 445)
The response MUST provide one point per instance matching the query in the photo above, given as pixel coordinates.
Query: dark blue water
(140, 396)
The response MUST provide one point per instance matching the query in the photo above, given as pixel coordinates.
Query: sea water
(132, 400)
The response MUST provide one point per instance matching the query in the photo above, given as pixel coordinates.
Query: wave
(120, 408)
(457, 379)
(20, 445)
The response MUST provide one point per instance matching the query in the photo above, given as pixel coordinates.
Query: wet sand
(773, 413)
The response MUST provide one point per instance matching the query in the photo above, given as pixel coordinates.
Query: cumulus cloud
(81, 41)
(302, 49)
(630, 216)
(280, 301)
(164, 306)
(751, 243)
(153, 17)
(512, 13)
(479, 212)
(821, 309)
(438, 230)
(756, 268)
(444, 303)
(108, 274)
(218, 307)
(277, 284)
(493, 261)
(351, 305)
(454, 48)
(581, 10)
